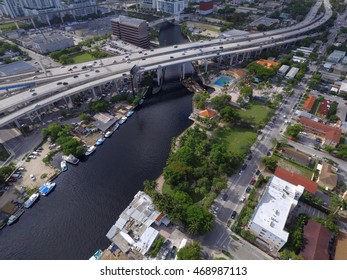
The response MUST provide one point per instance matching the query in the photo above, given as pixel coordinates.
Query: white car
(32, 177)
(32, 156)
(242, 199)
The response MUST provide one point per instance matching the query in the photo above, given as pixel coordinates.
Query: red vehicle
(252, 181)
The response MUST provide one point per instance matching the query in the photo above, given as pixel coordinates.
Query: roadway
(108, 69)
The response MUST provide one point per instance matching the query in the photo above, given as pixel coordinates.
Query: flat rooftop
(275, 205)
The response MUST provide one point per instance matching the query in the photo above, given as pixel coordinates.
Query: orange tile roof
(208, 113)
(331, 133)
(296, 179)
(309, 103)
(267, 63)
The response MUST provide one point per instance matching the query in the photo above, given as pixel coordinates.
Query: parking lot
(308, 210)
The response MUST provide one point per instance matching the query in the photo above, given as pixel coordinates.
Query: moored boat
(46, 188)
(90, 150)
(31, 200)
(63, 165)
(123, 120)
(129, 113)
(100, 141)
(108, 133)
(14, 217)
(141, 101)
(71, 159)
(97, 255)
(116, 126)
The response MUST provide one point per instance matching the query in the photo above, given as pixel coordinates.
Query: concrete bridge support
(159, 75)
(206, 65)
(16, 24)
(33, 22)
(61, 15)
(48, 21)
(183, 70)
(93, 91)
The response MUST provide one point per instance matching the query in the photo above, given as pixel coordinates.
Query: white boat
(123, 120)
(129, 113)
(46, 188)
(116, 126)
(63, 165)
(90, 150)
(100, 141)
(71, 159)
(108, 133)
(31, 200)
(15, 216)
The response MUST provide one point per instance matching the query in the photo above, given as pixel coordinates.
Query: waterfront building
(206, 7)
(131, 30)
(172, 7)
(133, 231)
(270, 216)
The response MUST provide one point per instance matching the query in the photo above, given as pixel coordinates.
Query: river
(71, 223)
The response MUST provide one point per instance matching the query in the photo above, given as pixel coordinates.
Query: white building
(292, 73)
(173, 7)
(269, 218)
(283, 70)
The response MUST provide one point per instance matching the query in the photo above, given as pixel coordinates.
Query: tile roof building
(330, 134)
(131, 30)
(341, 247)
(208, 113)
(296, 179)
(327, 178)
(309, 103)
(267, 63)
(323, 108)
(316, 241)
(270, 216)
(296, 155)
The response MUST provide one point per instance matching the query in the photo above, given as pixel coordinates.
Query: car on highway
(32, 89)
(248, 190)
(76, 76)
(233, 214)
(65, 83)
(33, 93)
(59, 83)
(225, 197)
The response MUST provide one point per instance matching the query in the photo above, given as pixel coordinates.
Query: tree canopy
(190, 252)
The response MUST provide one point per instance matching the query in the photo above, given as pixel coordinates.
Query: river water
(71, 223)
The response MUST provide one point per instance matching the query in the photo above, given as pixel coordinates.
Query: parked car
(233, 214)
(173, 252)
(225, 197)
(248, 190)
(252, 181)
(242, 199)
(32, 177)
(32, 157)
(257, 172)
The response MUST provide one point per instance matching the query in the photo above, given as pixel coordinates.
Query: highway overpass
(81, 77)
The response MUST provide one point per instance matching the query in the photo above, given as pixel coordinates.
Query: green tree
(294, 130)
(270, 163)
(229, 114)
(176, 172)
(190, 252)
(218, 102)
(5, 171)
(84, 117)
(98, 106)
(198, 220)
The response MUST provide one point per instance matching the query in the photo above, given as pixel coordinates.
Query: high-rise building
(82, 7)
(173, 7)
(11, 8)
(131, 30)
(206, 7)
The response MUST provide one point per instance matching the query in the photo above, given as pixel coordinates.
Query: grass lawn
(260, 113)
(204, 26)
(239, 140)
(11, 26)
(3, 153)
(82, 57)
(293, 167)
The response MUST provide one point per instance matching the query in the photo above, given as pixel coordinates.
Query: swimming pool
(222, 80)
